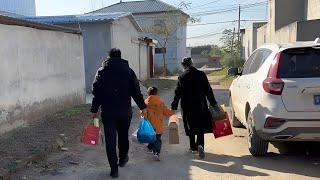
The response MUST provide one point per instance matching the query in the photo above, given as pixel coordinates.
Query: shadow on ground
(251, 166)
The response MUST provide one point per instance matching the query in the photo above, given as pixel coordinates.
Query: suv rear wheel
(234, 120)
(257, 146)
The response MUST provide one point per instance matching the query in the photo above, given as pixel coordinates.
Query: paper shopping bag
(90, 134)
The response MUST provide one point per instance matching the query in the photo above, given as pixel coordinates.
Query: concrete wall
(282, 24)
(308, 30)
(188, 52)
(41, 72)
(248, 41)
(302, 27)
(270, 31)
(181, 45)
(97, 42)
(288, 11)
(287, 34)
(125, 37)
(262, 35)
(250, 38)
(175, 49)
(313, 9)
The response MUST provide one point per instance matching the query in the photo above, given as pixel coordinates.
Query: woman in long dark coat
(194, 90)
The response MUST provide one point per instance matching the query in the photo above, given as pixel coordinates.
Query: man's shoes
(114, 173)
(156, 157)
(201, 152)
(123, 162)
(193, 151)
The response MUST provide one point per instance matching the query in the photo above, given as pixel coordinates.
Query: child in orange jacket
(157, 111)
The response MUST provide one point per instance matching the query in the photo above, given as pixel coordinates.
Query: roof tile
(137, 7)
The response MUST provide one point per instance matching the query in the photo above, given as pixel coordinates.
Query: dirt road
(226, 158)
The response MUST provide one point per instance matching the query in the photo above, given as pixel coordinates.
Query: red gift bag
(222, 128)
(90, 134)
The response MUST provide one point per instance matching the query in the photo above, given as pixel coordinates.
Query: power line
(209, 23)
(201, 6)
(211, 33)
(204, 36)
(219, 11)
(222, 22)
(205, 4)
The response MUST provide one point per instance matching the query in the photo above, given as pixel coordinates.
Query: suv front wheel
(257, 146)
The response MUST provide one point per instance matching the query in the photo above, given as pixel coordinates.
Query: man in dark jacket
(114, 85)
(194, 89)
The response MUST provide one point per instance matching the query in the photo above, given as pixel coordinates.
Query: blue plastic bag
(146, 133)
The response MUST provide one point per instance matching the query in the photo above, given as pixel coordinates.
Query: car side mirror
(233, 72)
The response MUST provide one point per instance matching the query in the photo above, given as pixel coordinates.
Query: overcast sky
(196, 34)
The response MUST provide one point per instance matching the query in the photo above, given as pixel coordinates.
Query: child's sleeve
(166, 111)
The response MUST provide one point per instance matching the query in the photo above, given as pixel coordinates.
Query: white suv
(277, 95)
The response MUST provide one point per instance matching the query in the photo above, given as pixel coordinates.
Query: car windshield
(300, 63)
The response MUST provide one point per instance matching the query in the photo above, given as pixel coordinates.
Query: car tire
(257, 146)
(234, 120)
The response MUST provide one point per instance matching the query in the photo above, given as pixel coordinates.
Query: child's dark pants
(156, 146)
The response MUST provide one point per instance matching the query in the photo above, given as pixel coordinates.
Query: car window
(262, 55)
(300, 63)
(246, 68)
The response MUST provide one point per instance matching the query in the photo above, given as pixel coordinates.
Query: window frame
(246, 65)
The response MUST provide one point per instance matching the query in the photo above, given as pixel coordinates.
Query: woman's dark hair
(187, 62)
(115, 52)
(152, 91)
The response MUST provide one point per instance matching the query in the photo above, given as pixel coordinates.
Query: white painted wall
(248, 41)
(262, 35)
(22, 7)
(181, 45)
(313, 11)
(41, 72)
(188, 51)
(175, 49)
(304, 26)
(125, 37)
(250, 38)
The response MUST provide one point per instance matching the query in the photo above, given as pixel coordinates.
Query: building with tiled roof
(147, 13)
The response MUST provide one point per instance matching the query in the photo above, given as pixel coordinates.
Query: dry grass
(227, 81)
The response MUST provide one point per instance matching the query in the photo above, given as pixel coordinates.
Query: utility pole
(239, 43)
(232, 42)
(239, 23)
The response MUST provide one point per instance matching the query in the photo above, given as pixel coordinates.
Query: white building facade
(149, 13)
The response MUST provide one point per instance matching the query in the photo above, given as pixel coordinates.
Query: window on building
(159, 50)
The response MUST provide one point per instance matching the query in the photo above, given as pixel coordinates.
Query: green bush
(222, 72)
(232, 60)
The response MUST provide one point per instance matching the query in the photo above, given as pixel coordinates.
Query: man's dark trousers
(112, 127)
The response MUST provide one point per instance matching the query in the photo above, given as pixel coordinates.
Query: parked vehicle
(276, 95)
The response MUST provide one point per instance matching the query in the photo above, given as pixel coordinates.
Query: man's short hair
(187, 62)
(152, 91)
(115, 52)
